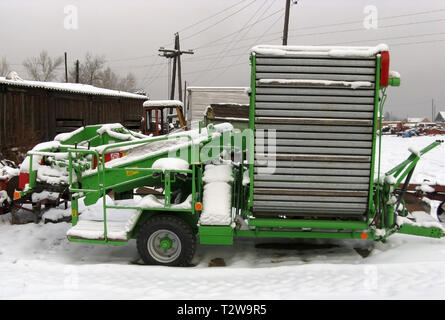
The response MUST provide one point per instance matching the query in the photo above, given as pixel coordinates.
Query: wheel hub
(164, 246)
(166, 243)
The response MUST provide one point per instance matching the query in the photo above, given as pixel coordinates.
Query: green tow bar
(389, 207)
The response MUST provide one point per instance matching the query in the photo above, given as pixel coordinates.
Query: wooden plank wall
(29, 116)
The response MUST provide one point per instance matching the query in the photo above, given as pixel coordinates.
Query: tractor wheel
(441, 212)
(166, 240)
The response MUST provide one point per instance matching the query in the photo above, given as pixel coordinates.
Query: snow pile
(394, 74)
(163, 103)
(246, 178)
(217, 195)
(14, 76)
(422, 219)
(119, 221)
(170, 164)
(217, 173)
(170, 144)
(390, 180)
(45, 195)
(55, 215)
(414, 151)
(41, 147)
(7, 172)
(357, 52)
(186, 204)
(69, 87)
(52, 175)
(110, 130)
(426, 188)
(150, 201)
(320, 83)
(116, 230)
(4, 197)
(68, 135)
(325, 51)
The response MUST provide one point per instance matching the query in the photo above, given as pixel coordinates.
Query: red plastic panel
(384, 73)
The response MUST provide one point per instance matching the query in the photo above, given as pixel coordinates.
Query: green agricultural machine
(307, 166)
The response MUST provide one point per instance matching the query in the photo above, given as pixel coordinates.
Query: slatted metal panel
(324, 136)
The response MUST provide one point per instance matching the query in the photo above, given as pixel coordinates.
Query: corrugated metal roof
(72, 88)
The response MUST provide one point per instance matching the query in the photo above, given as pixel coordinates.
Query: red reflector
(364, 236)
(23, 180)
(198, 206)
(16, 195)
(384, 72)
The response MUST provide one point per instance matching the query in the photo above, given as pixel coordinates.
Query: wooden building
(33, 112)
(199, 98)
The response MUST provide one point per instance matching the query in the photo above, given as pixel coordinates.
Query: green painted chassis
(378, 223)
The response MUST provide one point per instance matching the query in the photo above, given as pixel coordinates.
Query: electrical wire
(256, 41)
(212, 16)
(221, 55)
(218, 22)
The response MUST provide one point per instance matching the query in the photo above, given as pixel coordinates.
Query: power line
(206, 45)
(208, 18)
(301, 28)
(218, 22)
(130, 59)
(222, 53)
(393, 38)
(209, 44)
(256, 40)
(155, 77)
(360, 21)
(361, 29)
(417, 42)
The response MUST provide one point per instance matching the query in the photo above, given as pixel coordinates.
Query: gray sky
(129, 33)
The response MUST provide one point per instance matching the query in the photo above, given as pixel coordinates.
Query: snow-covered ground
(36, 261)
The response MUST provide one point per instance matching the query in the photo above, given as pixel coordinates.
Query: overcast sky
(129, 33)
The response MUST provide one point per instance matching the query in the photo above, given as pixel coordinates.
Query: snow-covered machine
(43, 178)
(306, 167)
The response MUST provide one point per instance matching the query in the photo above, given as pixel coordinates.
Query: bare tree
(128, 83)
(94, 72)
(43, 67)
(4, 67)
(90, 70)
(109, 79)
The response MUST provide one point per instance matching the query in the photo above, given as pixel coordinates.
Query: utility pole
(77, 71)
(175, 54)
(178, 47)
(432, 110)
(286, 23)
(66, 68)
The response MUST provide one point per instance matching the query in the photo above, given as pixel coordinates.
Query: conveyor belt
(324, 136)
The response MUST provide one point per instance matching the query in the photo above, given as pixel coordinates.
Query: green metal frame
(104, 179)
(251, 145)
(380, 214)
(377, 118)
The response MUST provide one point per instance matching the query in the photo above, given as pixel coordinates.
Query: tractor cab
(160, 117)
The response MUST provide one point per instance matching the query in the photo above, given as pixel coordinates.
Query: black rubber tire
(174, 224)
(441, 212)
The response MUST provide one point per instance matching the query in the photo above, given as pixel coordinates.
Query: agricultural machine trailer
(308, 166)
